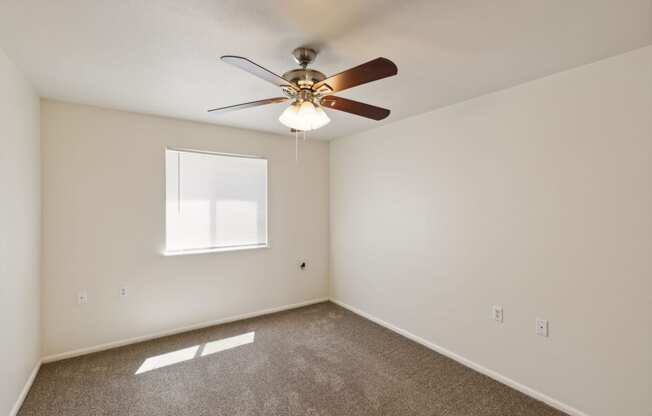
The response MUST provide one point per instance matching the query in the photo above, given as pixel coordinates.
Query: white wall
(20, 218)
(537, 198)
(103, 228)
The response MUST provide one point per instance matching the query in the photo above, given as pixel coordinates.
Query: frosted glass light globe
(290, 118)
(304, 117)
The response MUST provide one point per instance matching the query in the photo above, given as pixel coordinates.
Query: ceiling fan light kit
(304, 116)
(308, 90)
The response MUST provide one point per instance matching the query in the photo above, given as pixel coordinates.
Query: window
(214, 202)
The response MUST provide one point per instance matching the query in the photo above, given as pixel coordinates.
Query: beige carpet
(318, 360)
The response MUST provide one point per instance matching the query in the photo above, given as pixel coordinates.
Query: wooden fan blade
(249, 105)
(258, 71)
(374, 70)
(354, 107)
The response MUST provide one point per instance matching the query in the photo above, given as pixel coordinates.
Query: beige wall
(103, 229)
(20, 217)
(537, 198)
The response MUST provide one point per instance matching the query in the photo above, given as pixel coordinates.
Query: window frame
(223, 249)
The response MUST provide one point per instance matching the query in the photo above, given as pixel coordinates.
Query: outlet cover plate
(542, 327)
(498, 313)
(82, 298)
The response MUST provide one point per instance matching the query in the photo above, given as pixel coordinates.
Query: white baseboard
(115, 344)
(462, 360)
(25, 390)
(468, 363)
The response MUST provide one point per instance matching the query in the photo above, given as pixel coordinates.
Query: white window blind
(214, 201)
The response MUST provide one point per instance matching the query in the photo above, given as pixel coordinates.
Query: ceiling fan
(308, 90)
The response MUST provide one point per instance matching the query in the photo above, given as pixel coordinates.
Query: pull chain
(296, 143)
(179, 182)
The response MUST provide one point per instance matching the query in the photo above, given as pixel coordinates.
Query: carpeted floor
(317, 360)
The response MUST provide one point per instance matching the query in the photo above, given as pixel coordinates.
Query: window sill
(213, 250)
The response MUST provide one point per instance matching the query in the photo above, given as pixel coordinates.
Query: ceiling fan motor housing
(304, 77)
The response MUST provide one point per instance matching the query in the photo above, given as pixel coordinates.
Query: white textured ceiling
(161, 56)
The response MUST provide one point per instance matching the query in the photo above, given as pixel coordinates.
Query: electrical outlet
(82, 298)
(498, 313)
(123, 292)
(542, 327)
